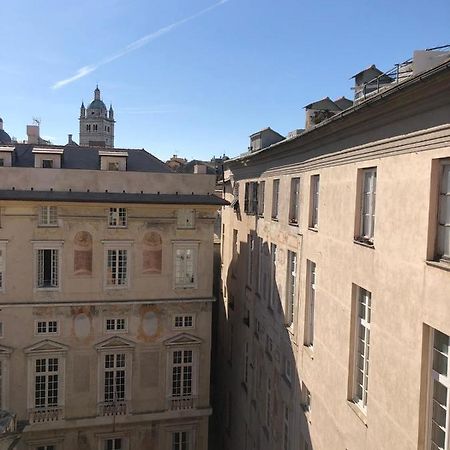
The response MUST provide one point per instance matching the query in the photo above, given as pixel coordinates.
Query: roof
(112, 197)
(324, 104)
(4, 137)
(88, 158)
(265, 130)
(97, 104)
(343, 103)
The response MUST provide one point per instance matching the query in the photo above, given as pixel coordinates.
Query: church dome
(4, 136)
(97, 104)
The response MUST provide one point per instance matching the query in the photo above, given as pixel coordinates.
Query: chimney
(69, 140)
(32, 134)
(200, 169)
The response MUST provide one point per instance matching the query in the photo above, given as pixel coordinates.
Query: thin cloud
(139, 43)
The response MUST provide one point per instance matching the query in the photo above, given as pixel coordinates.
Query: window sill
(115, 288)
(293, 224)
(309, 350)
(439, 264)
(274, 219)
(110, 227)
(46, 289)
(47, 226)
(363, 243)
(315, 229)
(358, 411)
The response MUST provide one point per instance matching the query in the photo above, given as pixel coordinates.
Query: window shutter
(246, 199)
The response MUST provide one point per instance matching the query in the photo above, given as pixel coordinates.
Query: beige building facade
(105, 299)
(335, 321)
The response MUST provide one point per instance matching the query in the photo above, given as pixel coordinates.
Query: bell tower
(96, 123)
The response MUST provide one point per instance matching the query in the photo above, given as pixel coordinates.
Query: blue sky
(197, 77)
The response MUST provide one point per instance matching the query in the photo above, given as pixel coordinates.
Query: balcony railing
(46, 414)
(176, 403)
(118, 408)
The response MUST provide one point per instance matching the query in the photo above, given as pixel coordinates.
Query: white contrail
(86, 70)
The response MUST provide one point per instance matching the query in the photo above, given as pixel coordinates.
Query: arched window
(152, 253)
(82, 258)
(88, 127)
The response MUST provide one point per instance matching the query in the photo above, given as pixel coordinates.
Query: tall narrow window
(261, 189)
(47, 268)
(439, 420)
(46, 390)
(362, 346)
(250, 258)
(294, 202)
(310, 302)
(114, 378)
(269, 403)
(368, 193)
(444, 214)
(275, 194)
(185, 266)
(181, 440)
(314, 202)
(48, 216)
(291, 287)
(182, 373)
(286, 428)
(273, 277)
(114, 444)
(246, 363)
(117, 217)
(117, 260)
(2, 267)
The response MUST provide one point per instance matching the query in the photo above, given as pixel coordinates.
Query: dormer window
(113, 160)
(47, 158)
(6, 156)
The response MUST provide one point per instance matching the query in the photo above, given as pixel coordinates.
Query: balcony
(177, 403)
(45, 414)
(119, 408)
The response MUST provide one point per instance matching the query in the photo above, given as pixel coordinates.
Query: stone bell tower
(97, 123)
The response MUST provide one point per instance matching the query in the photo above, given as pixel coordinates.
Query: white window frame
(104, 437)
(183, 246)
(48, 245)
(291, 288)
(311, 288)
(363, 303)
(32, 382)
(184, 318)
(117, 246)
(438, 378)
(443, 228)
(314, 202)
(114, 321)
(191, 436)
(2, 266)
(117, 217)
(183, 395)
(38, 326)
(48, 216)
(294, 201)
(367, 208)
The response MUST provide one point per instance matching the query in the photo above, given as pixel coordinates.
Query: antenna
(37, 121)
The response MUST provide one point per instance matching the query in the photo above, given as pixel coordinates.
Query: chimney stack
(200, 169)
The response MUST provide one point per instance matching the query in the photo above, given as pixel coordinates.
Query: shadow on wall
(257, 395)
